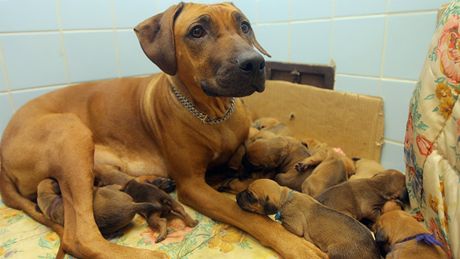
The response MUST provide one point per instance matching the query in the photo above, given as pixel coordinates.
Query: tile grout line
(382, 58)
(62, 42)
(289, 39)
(36, 88)
(332, 38)
(339, 18)
(378, 78)
(430, 11)
(6, 79)
(394, 142)
(116, 38)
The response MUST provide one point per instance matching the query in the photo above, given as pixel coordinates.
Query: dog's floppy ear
(381, 239)
(269, 208)
(252, 36)
(256, 44)
(156, 36)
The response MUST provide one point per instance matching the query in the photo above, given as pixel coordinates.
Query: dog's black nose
(251, 62)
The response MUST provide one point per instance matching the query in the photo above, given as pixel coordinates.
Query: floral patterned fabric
(22, 237)
(432, 143)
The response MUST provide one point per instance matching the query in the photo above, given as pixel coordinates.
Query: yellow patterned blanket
(22, 237)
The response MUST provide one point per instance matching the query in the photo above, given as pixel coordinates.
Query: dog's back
(338, 234)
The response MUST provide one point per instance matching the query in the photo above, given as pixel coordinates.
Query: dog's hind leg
(180, 212)
(155, 221)
(73, 155)
(60, 146)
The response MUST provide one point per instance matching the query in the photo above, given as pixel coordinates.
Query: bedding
(432, 142)
(22, 237)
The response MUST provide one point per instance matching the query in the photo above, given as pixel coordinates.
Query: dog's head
(394, 184)
(388, 228)
(266, 150)
(210, 47)
(262, 197)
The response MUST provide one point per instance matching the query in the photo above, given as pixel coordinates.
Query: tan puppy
(271, 124)
(267, 155)
(366, 168)
(309, 166)
(331, 165)
(401, 236)
(113, 209)
(364, 198)
(334, 233)
(174, 124)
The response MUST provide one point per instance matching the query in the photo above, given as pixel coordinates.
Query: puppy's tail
(12, 198)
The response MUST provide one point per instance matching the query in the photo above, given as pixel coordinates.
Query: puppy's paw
(166, 184)
(301, 167)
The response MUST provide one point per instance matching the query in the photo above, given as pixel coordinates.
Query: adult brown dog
(118, 129)
(401, 236)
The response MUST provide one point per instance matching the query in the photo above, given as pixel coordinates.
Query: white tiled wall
(378, 45)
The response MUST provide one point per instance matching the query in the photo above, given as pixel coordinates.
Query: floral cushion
(22, 237)
(432, 143)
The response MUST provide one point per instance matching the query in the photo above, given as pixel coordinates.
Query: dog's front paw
(301, 167)
(166, 184)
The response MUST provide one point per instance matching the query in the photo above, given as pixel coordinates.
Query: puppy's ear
(156, 36)
(269, 208)
(381, 239)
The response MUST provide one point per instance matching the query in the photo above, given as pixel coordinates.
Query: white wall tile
(310, 42)
(91, 55)
(33, 59)
(28, 15)
(357, 45)
(407, 43)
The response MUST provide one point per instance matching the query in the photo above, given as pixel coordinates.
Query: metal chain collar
(203, 117)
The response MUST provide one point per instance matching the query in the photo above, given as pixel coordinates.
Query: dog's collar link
(203, 117)
(428, 239)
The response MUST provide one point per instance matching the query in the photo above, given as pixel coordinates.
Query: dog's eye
(197, 31)
(245, 27)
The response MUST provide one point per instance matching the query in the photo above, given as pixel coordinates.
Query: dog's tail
(12, 198)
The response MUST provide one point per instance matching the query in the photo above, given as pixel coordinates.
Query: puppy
(331, 165)
(334, 233)
(144, 192)
(271, 124)
(400, 236)
(113, 209)
(366, 168)
(364, 198)
(267, 155)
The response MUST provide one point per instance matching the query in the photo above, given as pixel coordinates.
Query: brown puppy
(334, 233)
(331, 165)
(364, 198)
(267, 155)
(366, 168)
(113, 209)
(309, 166)
(151, 194)
(401, 236)
(122, 128)
(271, 124)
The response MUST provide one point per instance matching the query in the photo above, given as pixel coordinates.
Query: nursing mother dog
(178, 123)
